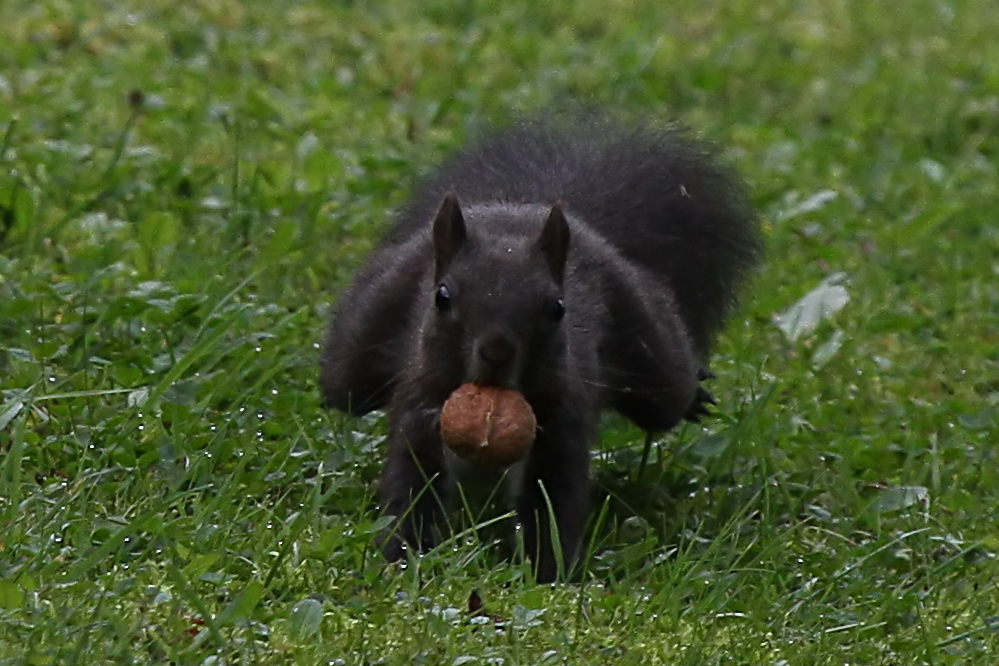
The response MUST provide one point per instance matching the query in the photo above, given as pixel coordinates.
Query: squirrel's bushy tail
(653, 191)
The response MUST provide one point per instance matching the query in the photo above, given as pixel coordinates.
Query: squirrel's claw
(702, 398)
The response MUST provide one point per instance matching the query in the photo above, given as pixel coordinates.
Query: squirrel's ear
(449, 233)
(554, 242)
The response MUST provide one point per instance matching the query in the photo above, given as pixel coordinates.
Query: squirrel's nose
(494, 358)
(496, 348)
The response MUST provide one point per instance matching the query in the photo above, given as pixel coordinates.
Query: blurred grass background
(184, 188)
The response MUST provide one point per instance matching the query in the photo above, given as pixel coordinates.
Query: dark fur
(646, 249)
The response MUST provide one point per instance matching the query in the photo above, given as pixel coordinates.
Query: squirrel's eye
(442, 299)
(558, 311)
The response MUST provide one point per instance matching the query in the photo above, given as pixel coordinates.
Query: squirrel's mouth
(499, 377)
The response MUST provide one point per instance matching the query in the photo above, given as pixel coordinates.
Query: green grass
(184, 188)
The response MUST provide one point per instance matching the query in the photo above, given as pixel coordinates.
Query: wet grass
(185, 187)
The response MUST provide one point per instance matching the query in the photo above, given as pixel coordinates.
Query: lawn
(185, 187)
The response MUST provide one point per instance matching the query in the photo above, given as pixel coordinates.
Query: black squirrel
(587, 264)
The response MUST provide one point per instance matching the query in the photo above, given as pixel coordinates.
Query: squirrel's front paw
(401, 537)
(393, 547)
(702, 398)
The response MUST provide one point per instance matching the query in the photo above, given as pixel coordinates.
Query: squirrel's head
(497, 310)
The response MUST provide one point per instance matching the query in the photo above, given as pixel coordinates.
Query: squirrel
(587, 264)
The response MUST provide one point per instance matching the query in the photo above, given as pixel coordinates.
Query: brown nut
(488, 425)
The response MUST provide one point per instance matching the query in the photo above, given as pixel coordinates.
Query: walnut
(488, 425)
